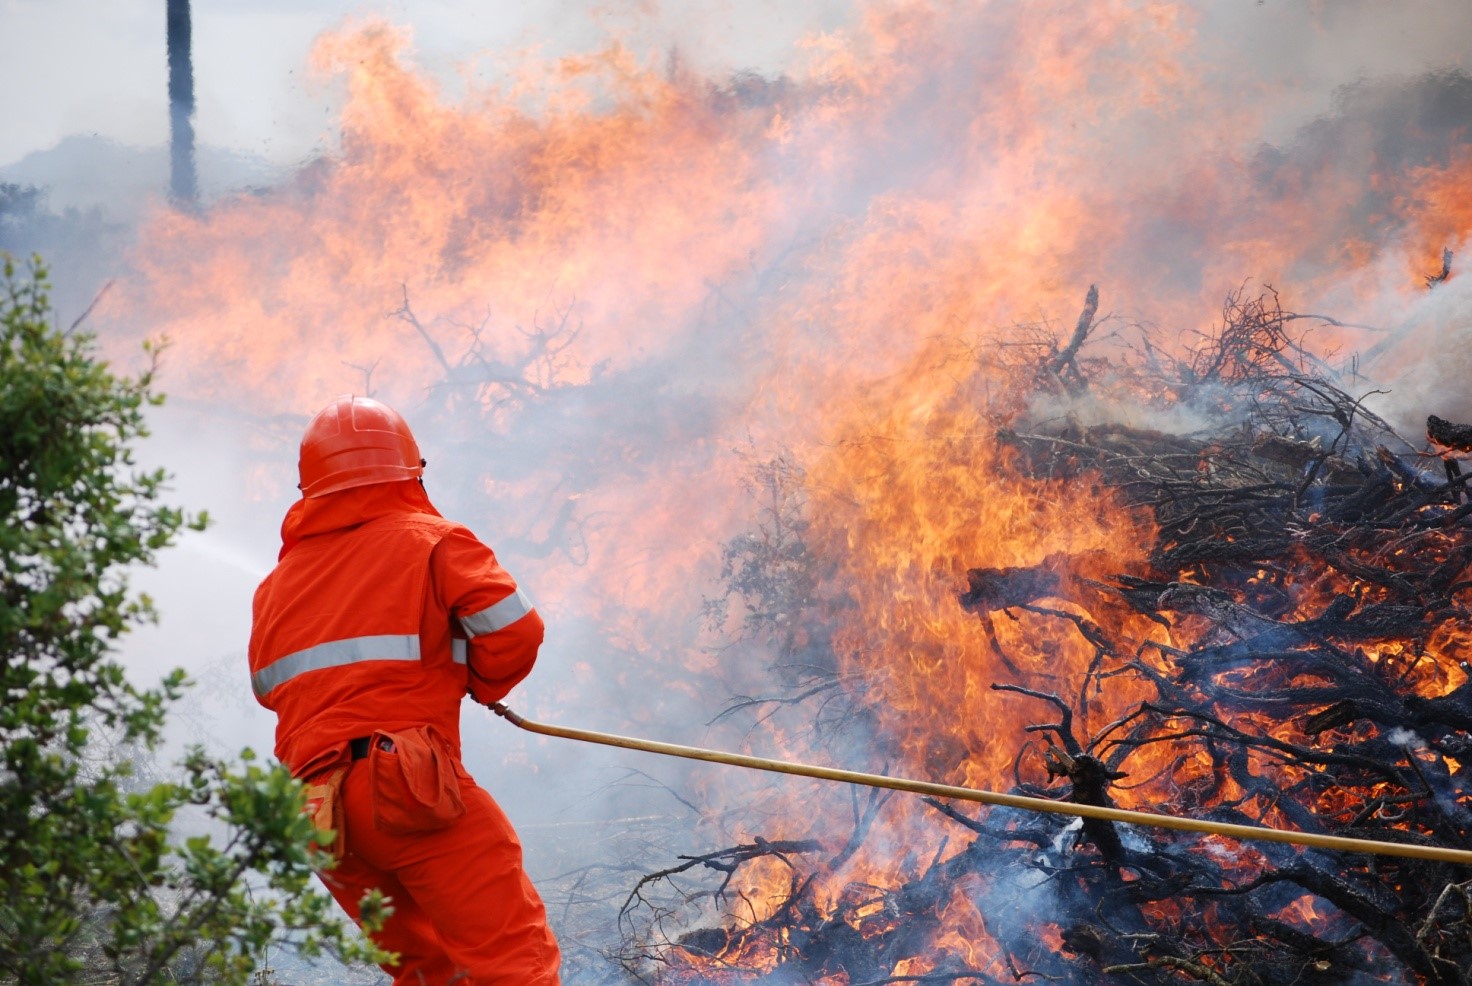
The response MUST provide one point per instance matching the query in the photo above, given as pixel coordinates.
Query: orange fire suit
(378, 618)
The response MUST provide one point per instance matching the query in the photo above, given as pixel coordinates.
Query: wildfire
(599, 278)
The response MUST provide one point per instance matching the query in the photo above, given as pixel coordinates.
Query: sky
(98, 67)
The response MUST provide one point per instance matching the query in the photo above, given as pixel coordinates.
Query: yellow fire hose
(1260, 833)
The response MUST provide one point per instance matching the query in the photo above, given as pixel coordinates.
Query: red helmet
(355, 441)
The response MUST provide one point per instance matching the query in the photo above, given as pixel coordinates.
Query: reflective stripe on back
(335, 653)
(493, 618)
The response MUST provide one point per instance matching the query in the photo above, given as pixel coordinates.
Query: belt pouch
(415, 785)
(324, 806)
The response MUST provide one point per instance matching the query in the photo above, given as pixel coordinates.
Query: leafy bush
(93, 876)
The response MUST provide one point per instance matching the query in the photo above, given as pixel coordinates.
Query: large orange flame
(606, 275)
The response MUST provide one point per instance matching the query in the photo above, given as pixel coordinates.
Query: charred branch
(1449, 433)
(1002, 588)
(491, 372)
(1432, 280)
(1063, 367)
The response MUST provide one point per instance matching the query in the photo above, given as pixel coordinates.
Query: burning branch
(1432, 280)
(1062, 368)
(1449, 434)
(493, 379)
(726, 861)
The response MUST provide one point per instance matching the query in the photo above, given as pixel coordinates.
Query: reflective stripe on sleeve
(458, 650)
(335, 653)
(493, 618)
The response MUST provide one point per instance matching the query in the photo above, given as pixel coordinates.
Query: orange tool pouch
(324, 806)
(416, 786)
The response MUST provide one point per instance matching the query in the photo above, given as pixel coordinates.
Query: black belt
(359, 747)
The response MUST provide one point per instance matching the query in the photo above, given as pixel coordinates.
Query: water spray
(1259, 833)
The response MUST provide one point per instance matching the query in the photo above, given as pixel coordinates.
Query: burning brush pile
(1287, 648)
(1217, 577)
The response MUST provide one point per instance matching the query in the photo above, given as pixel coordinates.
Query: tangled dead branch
(1316, 566)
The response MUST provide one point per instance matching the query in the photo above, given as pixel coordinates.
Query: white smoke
(1288, 64)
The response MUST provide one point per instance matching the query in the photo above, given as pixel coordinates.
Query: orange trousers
(464, 910)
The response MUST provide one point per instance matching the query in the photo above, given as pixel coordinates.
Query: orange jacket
(381, 614)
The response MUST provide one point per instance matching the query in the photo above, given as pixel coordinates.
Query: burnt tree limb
(1449, 433)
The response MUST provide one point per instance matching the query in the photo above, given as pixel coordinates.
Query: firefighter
(378, 619)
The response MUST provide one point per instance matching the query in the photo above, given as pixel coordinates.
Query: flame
(907, 504)
(603, 276)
